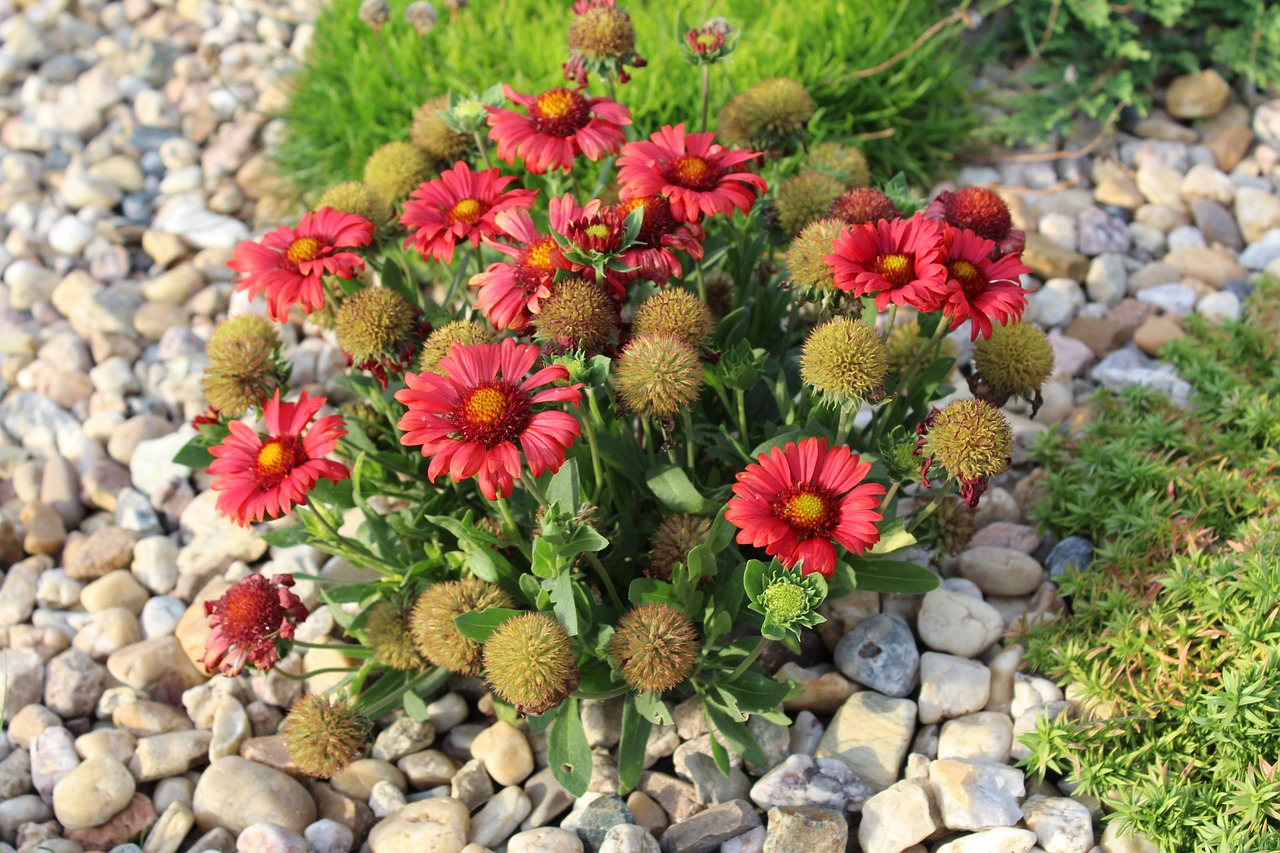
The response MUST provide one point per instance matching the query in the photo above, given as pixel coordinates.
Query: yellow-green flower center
(468, 210)
(785, 601)
(303, 249)
(598, 231)
(896, 269)
(485, 406)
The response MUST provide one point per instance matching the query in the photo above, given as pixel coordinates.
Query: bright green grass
(359, 90)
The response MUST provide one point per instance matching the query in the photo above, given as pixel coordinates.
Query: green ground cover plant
(1172, 641)
(359, 88)
(1090, 57)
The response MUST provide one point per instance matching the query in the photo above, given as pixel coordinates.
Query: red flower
(979, 289)
(981, 211)
(800, 499)
(248, 620)
(289, 262)
(510, 292)
(561, 124)
(899, 261)
(260, 478)
(652, 258)
(470, 419)
(691, 172)
(458, 205)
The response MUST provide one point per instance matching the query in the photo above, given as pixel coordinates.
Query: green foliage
(359, 90)
(1089, 56)
(1173, 636)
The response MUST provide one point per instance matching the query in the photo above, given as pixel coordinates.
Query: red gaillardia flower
(510, 291)
(899, 262)
(289, 262)
(983, 212)
(260, 477)
(458, 205)
(696, 175)
(561, 124)
(248, 620)
(470, 418)
(652, 257)
(979, 289)
(799, 499)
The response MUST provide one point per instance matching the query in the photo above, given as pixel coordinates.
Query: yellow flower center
(556, 103)
(468, 210)
(970, 277)
(707, 39)
(485, 406)
(598, 231)
(303, 249)
(785, 601)
(276, 458)
(807, 510)
(693, 173)
(896, 269)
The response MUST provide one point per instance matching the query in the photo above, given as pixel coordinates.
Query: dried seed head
(677, 312)
(654, 647)
(657, 376)
(844, 359)
(242, 369)
(530, 662)
(359, 198)
(603, 32)
(807, 258)
(769, 114)
(373, 321)
(675, 537)
(578, 314)
(1016, 359)
(431, 625)
(904, 343)
(387, 629)
(805, 198)
(442, 144)
(396, 169)
(863, 205)
(323, 734)
(842, 162)
(440, 341)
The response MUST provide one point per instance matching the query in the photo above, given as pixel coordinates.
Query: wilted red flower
(469, 419)
(248, 620)
(692, 172)
(979, 289)
(899, 262)
(510, 291)
(652, 257)
(288, 262)
(560, 125)
(799, 499)
(983, 212)
(458, 205)
(259, 478)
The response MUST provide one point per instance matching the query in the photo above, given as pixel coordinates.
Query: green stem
(929, 508)
(484, 150)
(706, 95)
(893, 314)
(691, 446)
(648, 442)
(597, 468)
(888, 496)
(605, 171)
(887, 413)
(452, 292)
(702, 283)
(742, 415)
(842, 428)
(761, 645)
(361, 676)
(605, 580)
(302, 644)
(429, 682)
(532, 486)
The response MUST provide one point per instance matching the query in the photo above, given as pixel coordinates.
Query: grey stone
(707, 830)
(881, 653)
(803, 781)
(712, 786)
(798, 830)
(1216, 223)
(599, 817)
(1102, 233)
(1074, 552)
(73, 683)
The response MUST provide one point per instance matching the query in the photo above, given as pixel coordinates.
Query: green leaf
(893, 576)
(479, 624)
(564, 488)
(653, 591)
(736, 733)
(672, 486)
(893, 537)
(415, 707)
(567, 750)
(631, 746)
(650, 706)
(194, 454)
(561, 590)
(287, 537)
(718, 753)
(757, 693)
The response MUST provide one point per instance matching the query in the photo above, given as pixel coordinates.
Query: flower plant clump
(610, 425)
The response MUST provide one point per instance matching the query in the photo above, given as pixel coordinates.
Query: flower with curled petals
(653, 257)
(288, 262)
(470, 419)
(797, 501)
(983, 212)
(459, 205)
(979, 289)
(698, 177)
(265, 477)
(561, 124)
(899, 262)
(246, 622)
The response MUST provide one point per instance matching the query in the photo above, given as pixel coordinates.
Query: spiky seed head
(372, 321)
(578, 314)
(805, 198)
(387, 628)
(863, 205)
(953, 525)
(422, 16)
(768, 114)
(324, 733)
(242, 370)
(431, 623)
(442, 339)
(675, 537)
(603, 32)
(359, 198)
(657, 376)
(530, 662)
(807, 257)
(655, 647)
(430, 132)
(396, 169)
(374, 13)
(1016, 359)
(360, 415)
(845, 359)
(904, 343)
(980, 210)
(842, 162)
(677, 312)
(972, 439)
